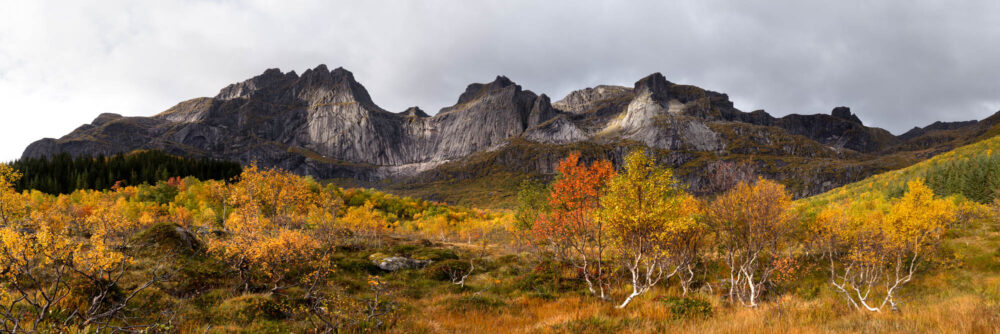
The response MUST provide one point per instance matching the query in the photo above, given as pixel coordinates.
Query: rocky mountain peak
(269, 78)
(476, 90)
(541, 111)
(105, 118)
(655, 84)
(414, 112)
(579, 101)
(322, 86)
(321, 72)
(844, 113)
(939, 125)
(323, 123)
(318, 85)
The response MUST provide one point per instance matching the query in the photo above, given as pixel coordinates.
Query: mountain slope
(324, 123)
(972, 171)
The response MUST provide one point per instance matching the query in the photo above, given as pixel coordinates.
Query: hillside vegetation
(596, 251)
(971, 171)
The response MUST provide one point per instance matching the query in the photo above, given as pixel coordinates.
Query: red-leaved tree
(570, 228)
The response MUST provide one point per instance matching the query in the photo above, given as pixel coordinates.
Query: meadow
(596, 250)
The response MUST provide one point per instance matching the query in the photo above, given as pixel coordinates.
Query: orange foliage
(570, 228)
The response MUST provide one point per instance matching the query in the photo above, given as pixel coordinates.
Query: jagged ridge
(324, 123)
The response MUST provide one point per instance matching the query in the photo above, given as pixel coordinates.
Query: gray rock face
(583, 100)
(397, 263)
(556, 131)
(321, 123)
(324, 123)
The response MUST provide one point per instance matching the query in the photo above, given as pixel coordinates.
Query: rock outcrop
(397, 263)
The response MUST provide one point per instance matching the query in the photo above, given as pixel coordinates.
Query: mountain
(971, 171)
(324, 123)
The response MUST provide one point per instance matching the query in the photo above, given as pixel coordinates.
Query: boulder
(395, 263)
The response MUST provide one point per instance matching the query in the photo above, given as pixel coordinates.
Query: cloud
(898, 64)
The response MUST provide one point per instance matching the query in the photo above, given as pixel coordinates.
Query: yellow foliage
(12, 206)
(645, 204)
(752, 223)
(651, 223)
(365, 221)
(874, 242)
(277, 223)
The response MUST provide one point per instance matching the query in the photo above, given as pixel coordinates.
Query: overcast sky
(897, 64)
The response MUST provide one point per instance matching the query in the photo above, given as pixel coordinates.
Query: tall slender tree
(651, 224)
(570, 227)
(752, 222)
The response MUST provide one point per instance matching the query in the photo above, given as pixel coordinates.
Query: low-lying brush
(687, 307)
(274, 252)
(476, 302)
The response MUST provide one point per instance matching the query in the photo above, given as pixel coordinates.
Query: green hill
(971, 171)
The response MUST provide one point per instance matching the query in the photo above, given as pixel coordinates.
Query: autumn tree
(366, 223)
(329, 310)
(570, 228)
(651, 224)
(108, 219)
(35, 276)
(752, 223)
(532, 202)
(11, 204)
(875, 245)
(266, 198)
(272, 232)
(41, 254)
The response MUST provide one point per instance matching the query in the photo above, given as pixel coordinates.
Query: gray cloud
(898, 64)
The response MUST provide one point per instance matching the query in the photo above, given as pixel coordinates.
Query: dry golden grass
(964, 313)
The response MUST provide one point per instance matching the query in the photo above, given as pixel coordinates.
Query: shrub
(355, 265)
(687, 307)
(546, 279)
(248, 308)
(444, 270)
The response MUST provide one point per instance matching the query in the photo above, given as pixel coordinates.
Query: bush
(444, 270)
(547, 279)
(350, 264)
(248, 308)
(688, 308)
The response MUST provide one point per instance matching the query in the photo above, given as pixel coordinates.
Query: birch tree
(752, 223)
(874, 245)
(651, 223)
